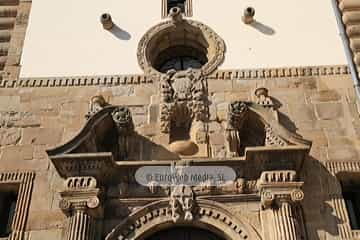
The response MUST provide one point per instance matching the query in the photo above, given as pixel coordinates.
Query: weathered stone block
(301, 112)
(42, 136)
(119, 91)
(18, 153)
(325, 96)
(219, 85)
(54, 234)
(342, 154)
(214, 127)
(132, 100)
(326, 111)
(9, 136)
(217, 139)
(222, 111)
(45, 219)
(9, 103)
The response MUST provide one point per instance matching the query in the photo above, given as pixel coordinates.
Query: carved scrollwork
(182, 202)
(64, 205)
(93, 202)
(297, 195)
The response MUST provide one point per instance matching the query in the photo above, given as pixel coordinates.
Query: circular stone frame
(189, 33)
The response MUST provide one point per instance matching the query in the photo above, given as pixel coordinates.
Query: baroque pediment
(109, 143)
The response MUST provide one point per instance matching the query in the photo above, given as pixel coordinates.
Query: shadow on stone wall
(319, 188)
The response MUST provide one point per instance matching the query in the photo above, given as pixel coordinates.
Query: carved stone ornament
(272, 139)
(237, 113)
(182, 202)
(263, 98)
(148, 45)
(182, 97)
(125, 128)
(176, 15)
(95, 105)
(278, 186)
(80, 193)
(207, 213)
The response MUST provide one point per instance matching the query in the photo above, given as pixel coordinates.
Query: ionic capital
(81, 194)
(277, 187)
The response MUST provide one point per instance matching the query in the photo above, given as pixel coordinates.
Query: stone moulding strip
(336, 167)
(115, 80)
(25, 182)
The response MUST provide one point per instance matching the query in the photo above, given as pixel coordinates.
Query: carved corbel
(236, 116)
(182, 203)
(95, 105)
(81, 203)
(125, 128)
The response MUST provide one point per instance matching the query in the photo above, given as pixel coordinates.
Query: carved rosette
(182, 202)
(81, 203)
(182, 98)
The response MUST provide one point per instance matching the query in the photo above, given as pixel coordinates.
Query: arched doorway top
(208, 215)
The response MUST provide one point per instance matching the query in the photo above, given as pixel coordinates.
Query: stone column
(80, 202)
(280, 194)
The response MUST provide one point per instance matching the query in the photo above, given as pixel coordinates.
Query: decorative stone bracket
(182, 202)
(81, 203)
(280, 195)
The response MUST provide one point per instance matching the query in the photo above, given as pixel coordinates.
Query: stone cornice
(136, 79)
(286, 72)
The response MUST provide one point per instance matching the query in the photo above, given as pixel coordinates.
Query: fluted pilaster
(81, 226)
(280, 196)
(80, 202)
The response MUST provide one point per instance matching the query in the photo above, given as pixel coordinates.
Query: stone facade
(322, 108)
(71, 146)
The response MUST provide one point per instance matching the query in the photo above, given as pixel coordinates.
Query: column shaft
(81, 226)
(286, 221)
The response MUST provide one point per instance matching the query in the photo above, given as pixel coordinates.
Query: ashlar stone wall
(36, 115)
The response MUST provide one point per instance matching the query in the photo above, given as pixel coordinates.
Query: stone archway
(184, 233)
(208, 215)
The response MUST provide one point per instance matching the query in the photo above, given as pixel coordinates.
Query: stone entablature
(115, 80)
